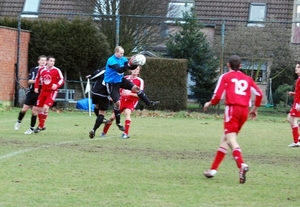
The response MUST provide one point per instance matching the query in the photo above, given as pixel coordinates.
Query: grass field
(160, 165)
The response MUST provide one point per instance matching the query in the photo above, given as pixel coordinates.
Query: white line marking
(11, 154)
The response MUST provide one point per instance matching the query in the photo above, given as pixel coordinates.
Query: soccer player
(100, 98)
(128, 102)
(294, 113)
(51, 79)
(237, 88)
(116, 65)
(31, 97)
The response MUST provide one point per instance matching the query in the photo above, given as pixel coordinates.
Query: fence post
(117, 30)
(17, 64)
(221, 56)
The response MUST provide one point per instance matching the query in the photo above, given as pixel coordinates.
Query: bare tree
(134, 24)
(258, 45)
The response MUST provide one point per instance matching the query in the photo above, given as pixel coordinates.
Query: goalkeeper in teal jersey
(116, 65)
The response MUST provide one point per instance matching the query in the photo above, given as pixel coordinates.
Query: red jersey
(238, 88)
(137, 81)
(48, 77)
(297, 91)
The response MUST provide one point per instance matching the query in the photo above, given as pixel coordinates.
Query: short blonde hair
(118, 48)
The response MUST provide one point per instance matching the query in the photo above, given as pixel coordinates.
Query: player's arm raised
(96, 74)
(122, 69)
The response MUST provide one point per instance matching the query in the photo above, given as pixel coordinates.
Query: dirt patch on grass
(179, 154)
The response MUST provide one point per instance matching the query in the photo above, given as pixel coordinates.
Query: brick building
(10, 93)
(13, 8)
(8, 62)
(251, 13)
(226, 15)
(245, 11)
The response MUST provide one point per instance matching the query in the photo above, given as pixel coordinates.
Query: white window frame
(257, 12)
(31, 8)
(180, 6)
(262, 66)
(296, 26)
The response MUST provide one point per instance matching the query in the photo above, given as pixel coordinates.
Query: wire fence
(218, 32)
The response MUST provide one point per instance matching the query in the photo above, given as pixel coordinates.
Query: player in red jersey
(294, 113)
(31, 97)
(128, 102)
(238, 88)
(51, 79)
(114, 79)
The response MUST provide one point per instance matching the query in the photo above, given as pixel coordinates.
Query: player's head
(119, 51)
(42, 60)
(135, 72)
(297, 68)
(50, 61)
(234, 62)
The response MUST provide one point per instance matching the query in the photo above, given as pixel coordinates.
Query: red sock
(106, 127)
(237, 155)
(295, 133)
(45, 116)
(220, 154)
(127, 126)
(40, 117)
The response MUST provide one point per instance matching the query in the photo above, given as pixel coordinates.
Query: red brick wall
(8, 59)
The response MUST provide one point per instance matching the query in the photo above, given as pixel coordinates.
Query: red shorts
(234, 118)
(294, 112)
(127, 104)
(46, 98)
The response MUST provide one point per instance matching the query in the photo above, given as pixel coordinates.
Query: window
(176, 9)
(296, 27)
(31, 8)
(257, 13)
(190, 83)
(257, 70)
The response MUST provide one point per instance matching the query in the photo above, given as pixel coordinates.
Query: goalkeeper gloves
(130, 65)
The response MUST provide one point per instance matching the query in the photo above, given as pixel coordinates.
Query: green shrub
(281, 95)
(78, 46)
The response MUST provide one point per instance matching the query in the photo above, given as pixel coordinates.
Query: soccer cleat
(38, 129)
(125, 136)
(154, 103)
(104, 120)
(243, 170)
(120, 127)
(17, 125)
(210, 173)
(92, 134)
(294, 144)
(102, 134)
(29, 131)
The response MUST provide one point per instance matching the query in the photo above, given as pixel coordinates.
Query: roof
(237, 11)
(13, 8)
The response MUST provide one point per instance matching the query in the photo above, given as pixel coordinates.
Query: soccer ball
(138, 59)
